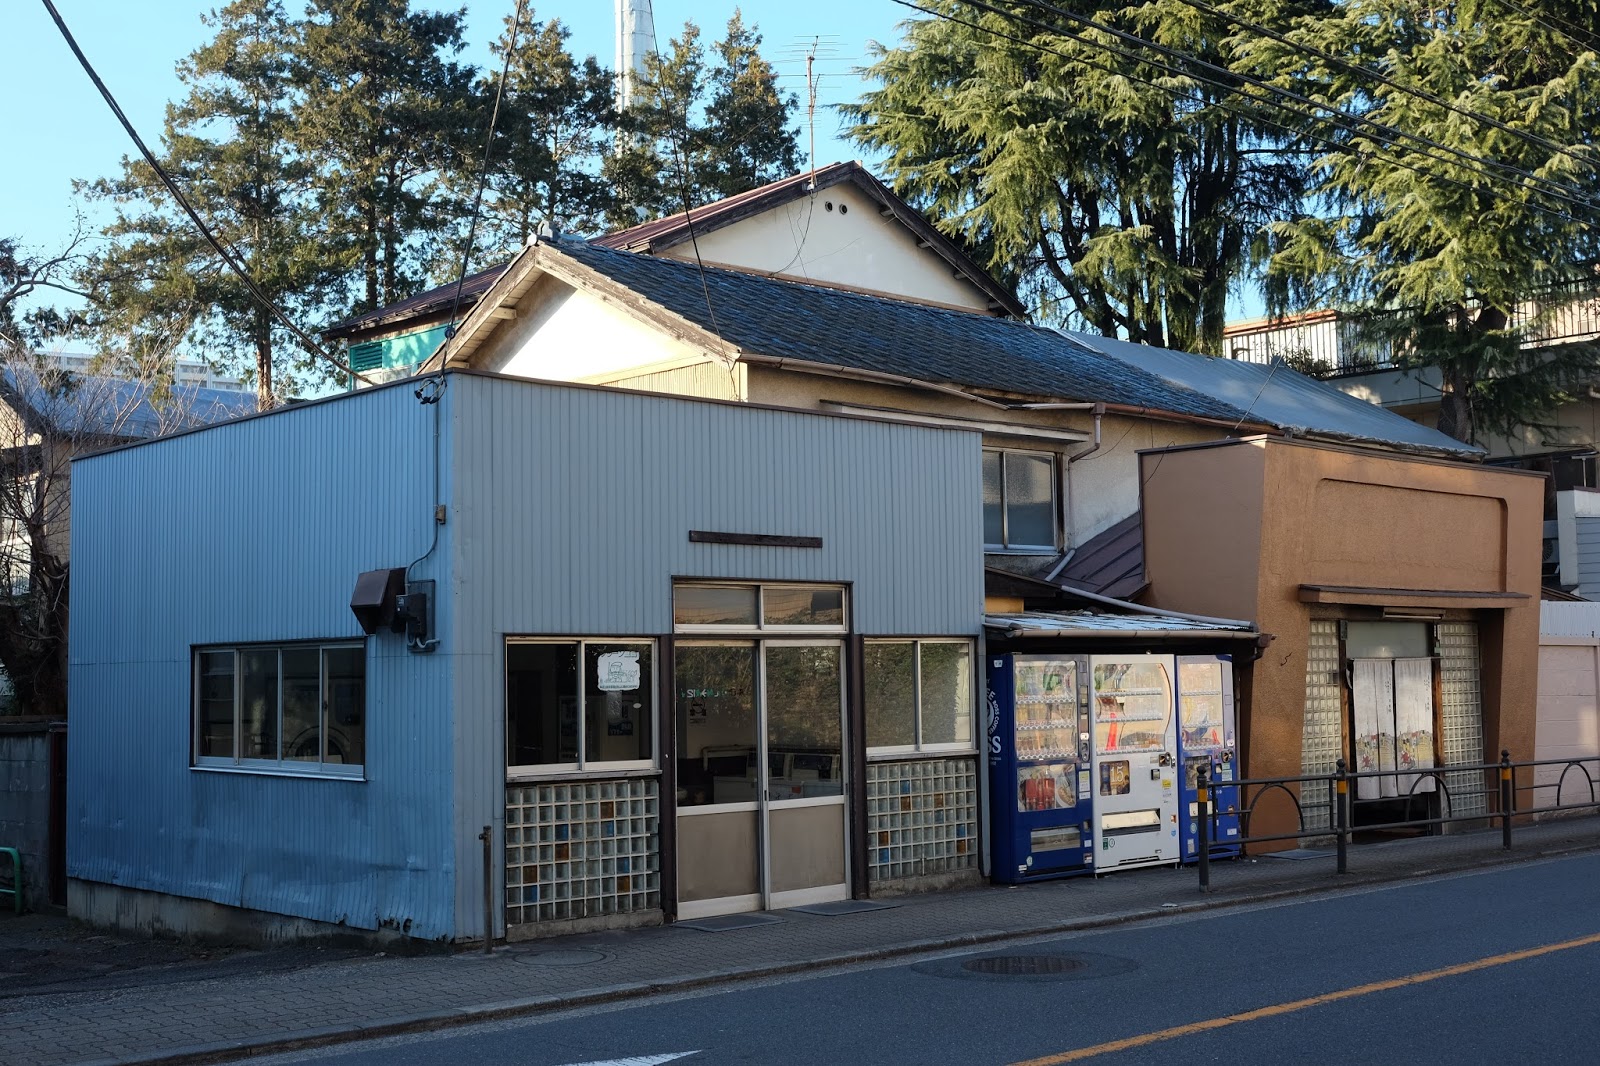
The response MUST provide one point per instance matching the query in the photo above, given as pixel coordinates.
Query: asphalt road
(1350, 978)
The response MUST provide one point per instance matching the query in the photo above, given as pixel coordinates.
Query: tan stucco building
(1349, 557)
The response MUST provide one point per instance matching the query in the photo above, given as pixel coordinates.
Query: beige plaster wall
(857, 248)
(1338, 516)
(1102, 489)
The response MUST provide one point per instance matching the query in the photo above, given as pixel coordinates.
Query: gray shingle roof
(783, 319)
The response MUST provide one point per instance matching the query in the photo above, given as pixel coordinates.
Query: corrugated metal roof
(1111, 562)
(1094, 623)
(85, 404)
(1274, 394)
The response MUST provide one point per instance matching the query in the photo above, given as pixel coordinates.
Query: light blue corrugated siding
(569, 513)
(255, 531)
(574, 508)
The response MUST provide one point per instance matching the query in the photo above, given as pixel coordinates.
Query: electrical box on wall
(413, 615)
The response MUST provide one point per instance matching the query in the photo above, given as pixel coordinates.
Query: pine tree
(1453, 257)
(228, 146)
(700, 133)
(556, 124)
(1118, 197)
(750, 138)
(386, 113)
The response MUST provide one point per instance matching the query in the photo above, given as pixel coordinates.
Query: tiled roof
(436, 299)
(785, 319)
(83, 404)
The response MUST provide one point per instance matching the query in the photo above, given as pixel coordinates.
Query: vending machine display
(1134, 766)
(1206, 738)
(1039, 766)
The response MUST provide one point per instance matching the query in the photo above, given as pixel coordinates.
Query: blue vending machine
(1039, 766)
(1206, 738)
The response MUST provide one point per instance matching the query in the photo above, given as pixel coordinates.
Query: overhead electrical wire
(1570, 195)
(1340, 120)
(483, 174)
(228, 256)
(1384, 79)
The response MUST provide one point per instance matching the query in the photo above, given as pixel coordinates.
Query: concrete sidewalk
(252, 1002)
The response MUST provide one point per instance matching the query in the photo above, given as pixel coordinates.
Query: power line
(1336, 116)
(1179, 94)
(1562, 192)
(229, 258)
(1384, 79)
(483, 177)
(1338, 119)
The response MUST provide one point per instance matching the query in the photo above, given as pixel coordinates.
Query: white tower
(636, 39)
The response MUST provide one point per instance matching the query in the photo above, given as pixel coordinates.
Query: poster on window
(617, 671)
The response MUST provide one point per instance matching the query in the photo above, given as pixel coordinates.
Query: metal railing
(1334, 815)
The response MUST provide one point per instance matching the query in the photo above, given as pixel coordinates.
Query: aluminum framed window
(1020, 513)
(579, 705)
(280, 708)
(919, 696)
(758, 608)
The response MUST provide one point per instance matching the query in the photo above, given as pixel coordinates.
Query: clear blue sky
(56, 128)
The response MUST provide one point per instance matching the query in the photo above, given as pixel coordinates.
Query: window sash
(583, 764)
(236, 759)
(919, 744)
(761, 625)
(1004, 458)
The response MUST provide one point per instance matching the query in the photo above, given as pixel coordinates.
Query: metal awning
(1129, 626)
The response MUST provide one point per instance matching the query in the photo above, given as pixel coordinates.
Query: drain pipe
(1099, 410)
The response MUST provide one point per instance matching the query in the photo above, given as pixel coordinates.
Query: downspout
(1099, 410)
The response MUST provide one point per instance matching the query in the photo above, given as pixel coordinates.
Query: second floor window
(1019, 500)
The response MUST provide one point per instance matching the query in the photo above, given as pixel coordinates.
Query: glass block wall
(1322, 740)
(922, 817)
(1462, 714)
(581, 849)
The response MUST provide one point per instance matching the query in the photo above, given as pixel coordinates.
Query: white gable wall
(562, 334)
(855, 247)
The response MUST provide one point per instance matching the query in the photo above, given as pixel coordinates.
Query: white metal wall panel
(1461, 714)
(1322, 738)
(255, 531)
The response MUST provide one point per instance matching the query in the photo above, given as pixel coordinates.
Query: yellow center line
(1273, 1011)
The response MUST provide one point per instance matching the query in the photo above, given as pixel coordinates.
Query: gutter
(1018, 630)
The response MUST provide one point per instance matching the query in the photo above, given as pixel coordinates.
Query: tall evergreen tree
(700, 133)
(228, 145)
(1452, 260)
(751, 140)
(386, 113)
(557, 122)
(1117, 196)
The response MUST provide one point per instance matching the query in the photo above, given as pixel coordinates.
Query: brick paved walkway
(212, 1009)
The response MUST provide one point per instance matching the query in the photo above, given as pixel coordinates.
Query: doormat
(724, 922)
(1301, 853)
(845, 906)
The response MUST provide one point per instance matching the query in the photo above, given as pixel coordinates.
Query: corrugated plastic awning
(1134, 626)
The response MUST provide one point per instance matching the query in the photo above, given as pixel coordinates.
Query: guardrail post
(1341, 814)
(1506, 799)
(1204, 812)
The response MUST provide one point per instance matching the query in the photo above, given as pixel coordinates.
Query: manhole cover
(567, 957)
(1024, 965)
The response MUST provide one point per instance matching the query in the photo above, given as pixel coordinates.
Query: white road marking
(640, 1060)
